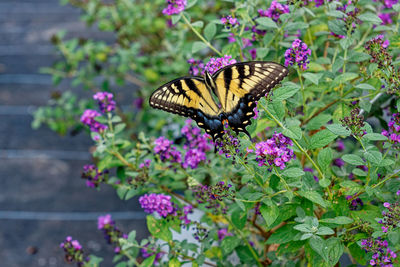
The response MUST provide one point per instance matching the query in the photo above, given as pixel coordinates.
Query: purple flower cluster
(174, 7)
(88, 118)
(229, 22)
(355, 202)
(338, 162)
(382, 255)
(377, 49)
(182, 214)
(196, 145)
(215, 64)
(388, 3)
(73, 251)
(212, 195)
(145, 164)
(391, 216)
(159, 203)
(318, 3)
(111, 233)
(164, 148)
(393, 133)
(275, 10)
(386, 18)
(149, 250)
(105, 101)
(94, 177)
(274, 151)
(229, 144)
(196, 66)
(298, 54)
(222, 233)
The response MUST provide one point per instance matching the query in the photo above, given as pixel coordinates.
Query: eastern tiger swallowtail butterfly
(236, 86)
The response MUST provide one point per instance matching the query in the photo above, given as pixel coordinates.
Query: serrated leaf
(365, 86)
(325, 157)
(359, 172)
(333, 250)
(317, 122)
(210, 30)
(284, 92)
(269, 213)
(266, 22)
(293, 132)
(148, 262)
(338, 129)
(239, 218)
(229, 243)
(213, 252)
(158, 229)
(305, 228)
(342, 78)
(353, 159)
(197, 46)
(323, 230)
(314, 197)
(321, 139)
(293, 172)
(375, 157)
(370, 17)
(374, 137)
(282, 235)
(313, 77)
(337, 220)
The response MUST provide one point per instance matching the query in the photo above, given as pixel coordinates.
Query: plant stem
(386, 179)
(302, 89)
(200, 36)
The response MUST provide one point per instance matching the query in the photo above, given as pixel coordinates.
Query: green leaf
(323, 230)
(332, 250)
(346, 42)
(314, 197)
(158, 229)
(148, 262)
(239, 218)
(198, 23)
(176, 18)
(337, 220)
(305, 228)
(385, 163)
(174, 262)
(317, 122)
(132, 236)
(370, 17)
(197, 46)
(358, 254)
(293, 172)
(325, 157)
(244, 254)
(286, 91)
(293, 131)
(359, 172)
(365, 86)
(317, 244)
(374, 137)
(313, 77)
(375, 157)
(213, 252)
(298, 25)
(324, 182)
(229, 243)
(342, 78)
(266, 23)
(282, 235)
(322, 138)
(269, 213)
(358, 57)
(337, 26)
(210, 30)
(353, 159)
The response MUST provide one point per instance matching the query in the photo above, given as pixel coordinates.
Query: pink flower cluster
(229, 22)
(88, 118)
(382, 255)
(111, 233)
(159, 203)
(105, 101)
(215, 64)
(164, 148)
(174, 7)
(298, 54)
(94, 177)
(275, 10)
(73, 251)
(274, 151)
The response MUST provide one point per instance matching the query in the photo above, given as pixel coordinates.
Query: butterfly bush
(312, 180)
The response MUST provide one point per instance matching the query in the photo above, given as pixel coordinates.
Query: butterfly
(237, 88)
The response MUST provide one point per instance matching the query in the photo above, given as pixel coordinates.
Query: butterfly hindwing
(238, 86)
(190, 97)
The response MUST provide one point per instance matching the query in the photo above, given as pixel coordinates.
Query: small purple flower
(184, 213)
(229, 21)
(145, 164)
(193, 157)
(163, 147)
(149, 250)
(386, 205)
(274, 151)
(94, 177)
(212, 195)
(222, 233)
(111, 233)
(138, 103)
(159, 203)
(174, 7)
(340, 145)
(253, 53)
(318, 3)
(386, 18)
(88, 118)
(73, 251)
(196, 66)
(298, 54)
(356, 202)
(105, 101)
(393, 133)
(215, 64)
(102, 221)
(274, 11)
(338, 162)
(382, 255)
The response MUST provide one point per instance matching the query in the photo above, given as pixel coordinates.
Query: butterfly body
(236, 86)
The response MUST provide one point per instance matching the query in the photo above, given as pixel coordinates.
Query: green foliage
(307, 212)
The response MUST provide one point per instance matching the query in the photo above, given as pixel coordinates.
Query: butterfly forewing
(238, 86)
(189, 97)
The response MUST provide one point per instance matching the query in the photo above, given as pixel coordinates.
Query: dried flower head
(354, 123)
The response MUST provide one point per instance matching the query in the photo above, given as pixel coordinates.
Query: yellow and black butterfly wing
(238, 86)
(189, 97)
